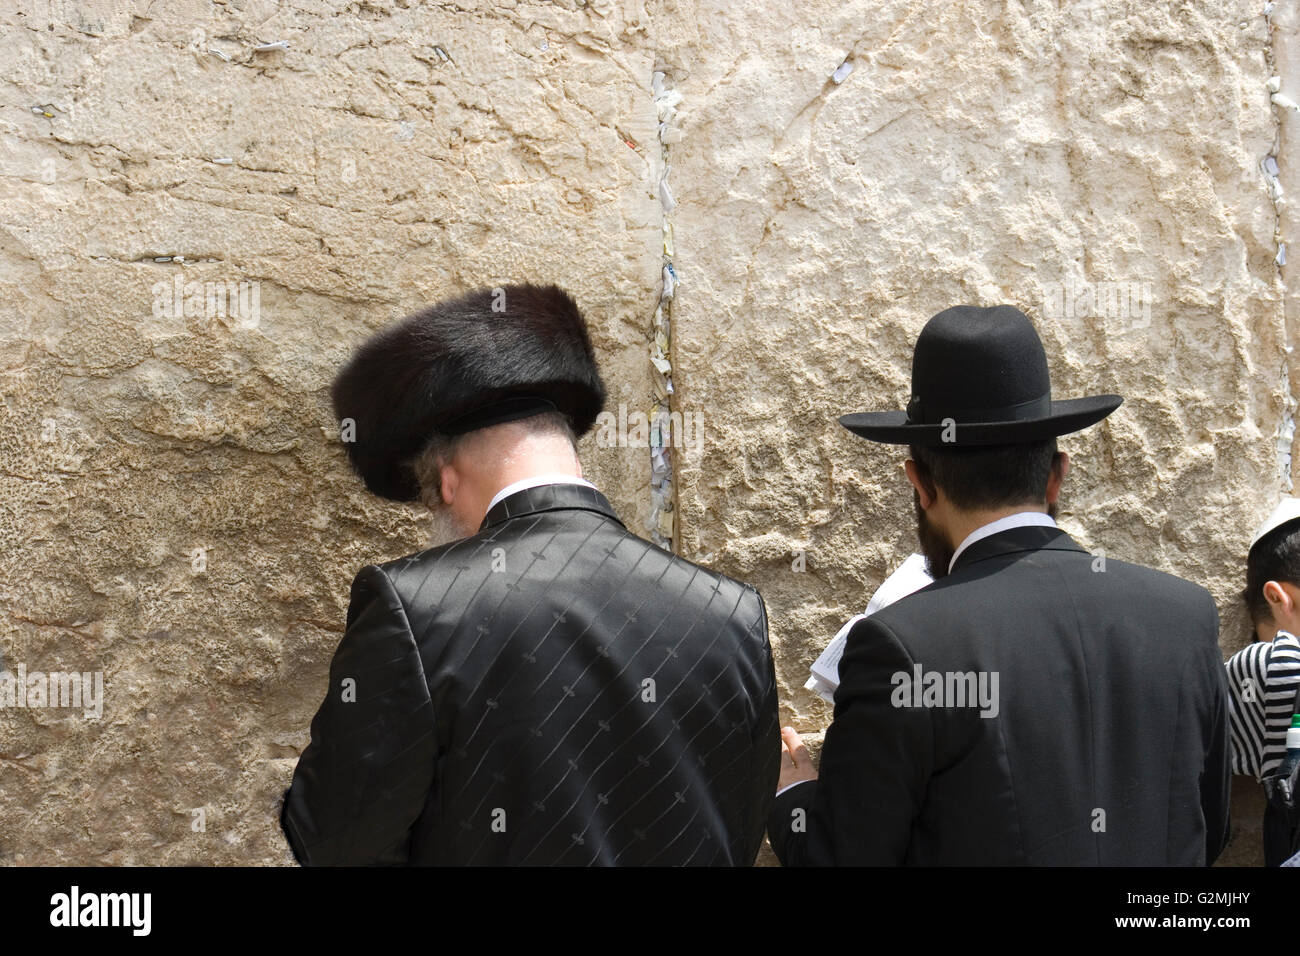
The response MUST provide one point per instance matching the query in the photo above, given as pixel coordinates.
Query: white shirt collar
(533, 481)
(1021, 519)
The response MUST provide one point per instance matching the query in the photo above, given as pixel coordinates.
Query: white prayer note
(908, 577)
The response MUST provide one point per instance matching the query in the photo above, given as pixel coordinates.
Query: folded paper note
(909, 576)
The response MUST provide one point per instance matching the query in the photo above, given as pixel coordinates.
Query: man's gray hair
(438, 451)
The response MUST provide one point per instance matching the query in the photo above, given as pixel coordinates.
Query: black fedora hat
(979, 377)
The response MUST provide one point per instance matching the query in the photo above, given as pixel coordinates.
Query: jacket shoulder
(730, 592)
(716, 580)
(475, 557)
(1091, 584)
(1158, 581)
(1113, 580)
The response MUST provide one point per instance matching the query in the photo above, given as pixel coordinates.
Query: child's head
(1272, 592)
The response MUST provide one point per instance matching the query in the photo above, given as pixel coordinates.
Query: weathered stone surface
(368, 176)
(976, 154)
(177, 511)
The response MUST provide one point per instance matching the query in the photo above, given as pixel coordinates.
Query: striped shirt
(1262, 682)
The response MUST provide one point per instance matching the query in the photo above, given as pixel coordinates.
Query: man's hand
(796, 765)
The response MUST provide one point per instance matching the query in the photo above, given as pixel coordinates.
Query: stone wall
(177, 511)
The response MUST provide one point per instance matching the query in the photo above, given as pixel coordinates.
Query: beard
(935, 547)
(444, 528)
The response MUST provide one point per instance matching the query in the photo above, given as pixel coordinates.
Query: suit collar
(548, 498)
(1017, 520)
(534, 481)
(1016, 540)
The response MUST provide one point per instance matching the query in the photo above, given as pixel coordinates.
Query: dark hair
(988, 476)
(1275, 557)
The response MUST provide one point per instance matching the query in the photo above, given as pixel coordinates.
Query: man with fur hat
(544, 687)
(1036, 704)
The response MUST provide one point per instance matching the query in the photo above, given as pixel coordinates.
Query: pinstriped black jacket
(553, 690)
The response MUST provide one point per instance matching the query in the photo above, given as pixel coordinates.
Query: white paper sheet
(909, 576)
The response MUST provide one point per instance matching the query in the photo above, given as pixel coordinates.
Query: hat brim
(1068, 415)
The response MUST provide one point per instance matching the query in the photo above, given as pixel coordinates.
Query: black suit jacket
(1109, 743)
(553, 690)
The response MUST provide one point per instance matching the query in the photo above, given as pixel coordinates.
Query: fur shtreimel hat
(487, 357)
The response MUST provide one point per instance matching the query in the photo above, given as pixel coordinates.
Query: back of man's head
(975, 478)
(460, 474)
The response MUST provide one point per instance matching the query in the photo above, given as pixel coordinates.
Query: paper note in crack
(909, 576)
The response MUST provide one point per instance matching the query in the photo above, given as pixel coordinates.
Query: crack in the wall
(663, 510)
(1271, 169)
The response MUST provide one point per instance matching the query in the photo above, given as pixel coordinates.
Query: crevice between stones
(1281, 53)
(663, 505)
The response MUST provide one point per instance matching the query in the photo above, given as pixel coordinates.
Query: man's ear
(1279, 602)
(448, 483)
(925, 491)
(1056, 477)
